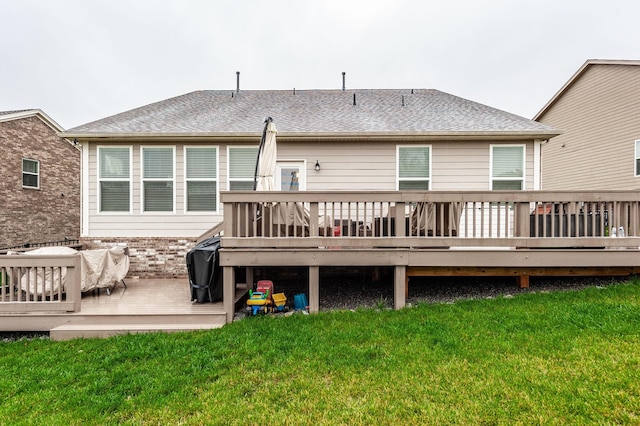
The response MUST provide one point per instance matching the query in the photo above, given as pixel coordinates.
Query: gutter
(315, 136)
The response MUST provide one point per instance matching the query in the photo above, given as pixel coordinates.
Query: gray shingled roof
(312, 111)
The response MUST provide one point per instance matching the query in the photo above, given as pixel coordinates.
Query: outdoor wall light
(317, 166)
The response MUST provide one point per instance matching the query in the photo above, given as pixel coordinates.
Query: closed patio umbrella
(267, 154)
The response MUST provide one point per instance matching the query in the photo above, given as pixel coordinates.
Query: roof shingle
(312, 111)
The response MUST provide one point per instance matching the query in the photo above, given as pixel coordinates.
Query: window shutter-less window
(157, 178)
(201, 172)
(508, 168)
(30, 173)
(242, 167)
(413, 168)
(114, 179)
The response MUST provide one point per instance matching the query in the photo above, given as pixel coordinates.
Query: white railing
(40, 283)
(523, 219)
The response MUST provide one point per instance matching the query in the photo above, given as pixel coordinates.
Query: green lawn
(552, 358)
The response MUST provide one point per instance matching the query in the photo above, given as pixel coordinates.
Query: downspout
(537, 164)
(84, 190)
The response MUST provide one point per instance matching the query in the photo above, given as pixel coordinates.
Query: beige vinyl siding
(466, 165)
(346, 166)
(599, 115)
(372, 166)
(145, 224)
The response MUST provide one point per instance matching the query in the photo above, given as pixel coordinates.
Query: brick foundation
(150, 257)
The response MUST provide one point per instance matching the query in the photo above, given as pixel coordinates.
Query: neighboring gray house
(152, 176)
(40, 185)
(598, 111)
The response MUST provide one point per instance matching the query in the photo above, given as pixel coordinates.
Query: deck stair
(72, 331)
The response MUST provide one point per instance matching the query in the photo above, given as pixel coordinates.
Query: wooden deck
(415, 233)
(430, 233)
(142, 306)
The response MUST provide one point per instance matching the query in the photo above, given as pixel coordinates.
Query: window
(157, 179)
(507, 167)
(242, 168)
(638, 158)
(290, 176)
(414, 168)
(30, 173)
(201, 166)
(114, 178)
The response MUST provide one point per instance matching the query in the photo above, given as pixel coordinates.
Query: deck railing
(520, 219)
(39, 283)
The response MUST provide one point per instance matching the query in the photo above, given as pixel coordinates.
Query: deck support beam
(522, 281)
(229, 292)
(399, 286)
(249, 277)
(314, 289)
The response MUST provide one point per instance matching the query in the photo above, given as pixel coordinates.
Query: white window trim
(636, 172)
(302, 178)
(129, 179)
(429, 178)
(216, 179)
(524, 162)
(29, 173)
(143, 180)
(229, 148)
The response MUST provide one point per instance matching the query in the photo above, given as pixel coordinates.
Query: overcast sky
(81, 60)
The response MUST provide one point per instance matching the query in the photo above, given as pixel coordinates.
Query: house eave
(32, 113)
(315, 136)
(575, 77)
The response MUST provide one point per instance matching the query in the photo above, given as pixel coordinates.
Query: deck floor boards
(146, 296)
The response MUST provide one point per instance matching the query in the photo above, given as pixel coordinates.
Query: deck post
(229, 220)
(400, 281)
(522, 222)
(228, 292)
(314, 289)
(313, 220)
(400, 219)
(74, 283)
(522, 281)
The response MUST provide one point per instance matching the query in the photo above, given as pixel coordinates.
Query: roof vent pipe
(354, 99)
(238, 81)
(344, 87)
(402, 100)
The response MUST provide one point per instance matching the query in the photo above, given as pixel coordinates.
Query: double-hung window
(414, 168)
(242, 168)
(507, 167)
(114, 179)
(30, 173)
(158, 179)
(638, 158)
(201, 164)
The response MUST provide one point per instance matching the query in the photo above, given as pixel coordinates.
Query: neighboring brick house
(152, 176)
(40, 184)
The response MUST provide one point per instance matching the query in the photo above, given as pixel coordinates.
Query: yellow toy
(259, 301)
(279, 300)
